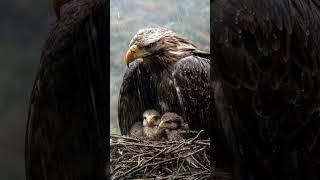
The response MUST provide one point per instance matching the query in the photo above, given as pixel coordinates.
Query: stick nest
(146, 159)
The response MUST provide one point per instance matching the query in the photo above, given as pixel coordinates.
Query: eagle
(166, 72)
(67, 125)
(57, 5)
(147, 129)
(266, 88)
(173, 124)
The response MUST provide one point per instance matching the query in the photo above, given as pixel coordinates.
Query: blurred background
(23, 26)
(190, 19)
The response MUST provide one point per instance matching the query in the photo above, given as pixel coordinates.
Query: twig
(134, 169)
(159, 159)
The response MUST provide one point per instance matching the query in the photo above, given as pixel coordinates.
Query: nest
(146, 159)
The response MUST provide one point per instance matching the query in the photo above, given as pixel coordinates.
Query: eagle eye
(149, 45)
(170, 121)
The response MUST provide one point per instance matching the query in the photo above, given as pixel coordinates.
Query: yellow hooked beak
(134, 53)
(131, 54)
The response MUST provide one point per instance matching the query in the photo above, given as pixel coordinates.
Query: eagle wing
(191, 79)
(138, 93)
(267, 59)
(184, 90)
(67, 123)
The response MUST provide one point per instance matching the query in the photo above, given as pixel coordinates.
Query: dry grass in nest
(146, 159)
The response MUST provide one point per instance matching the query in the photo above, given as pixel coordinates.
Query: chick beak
(161, 125)
(131, 54)
(150, 121)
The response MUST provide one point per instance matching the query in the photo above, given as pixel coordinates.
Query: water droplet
(236, 20)
(275, 36)
(307, 32)
(239, 33)
(238, 12)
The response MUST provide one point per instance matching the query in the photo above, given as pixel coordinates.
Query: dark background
(24, 26)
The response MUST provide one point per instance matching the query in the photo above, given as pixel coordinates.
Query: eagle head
(151, 42)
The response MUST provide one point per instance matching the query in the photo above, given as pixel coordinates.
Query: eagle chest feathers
(168, 92)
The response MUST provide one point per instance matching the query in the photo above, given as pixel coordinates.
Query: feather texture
(267, 65)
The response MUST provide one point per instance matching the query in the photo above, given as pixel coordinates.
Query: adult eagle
(67, 125)
(168, 73)
(267, 77)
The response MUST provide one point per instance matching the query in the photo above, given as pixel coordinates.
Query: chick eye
(144, 118)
